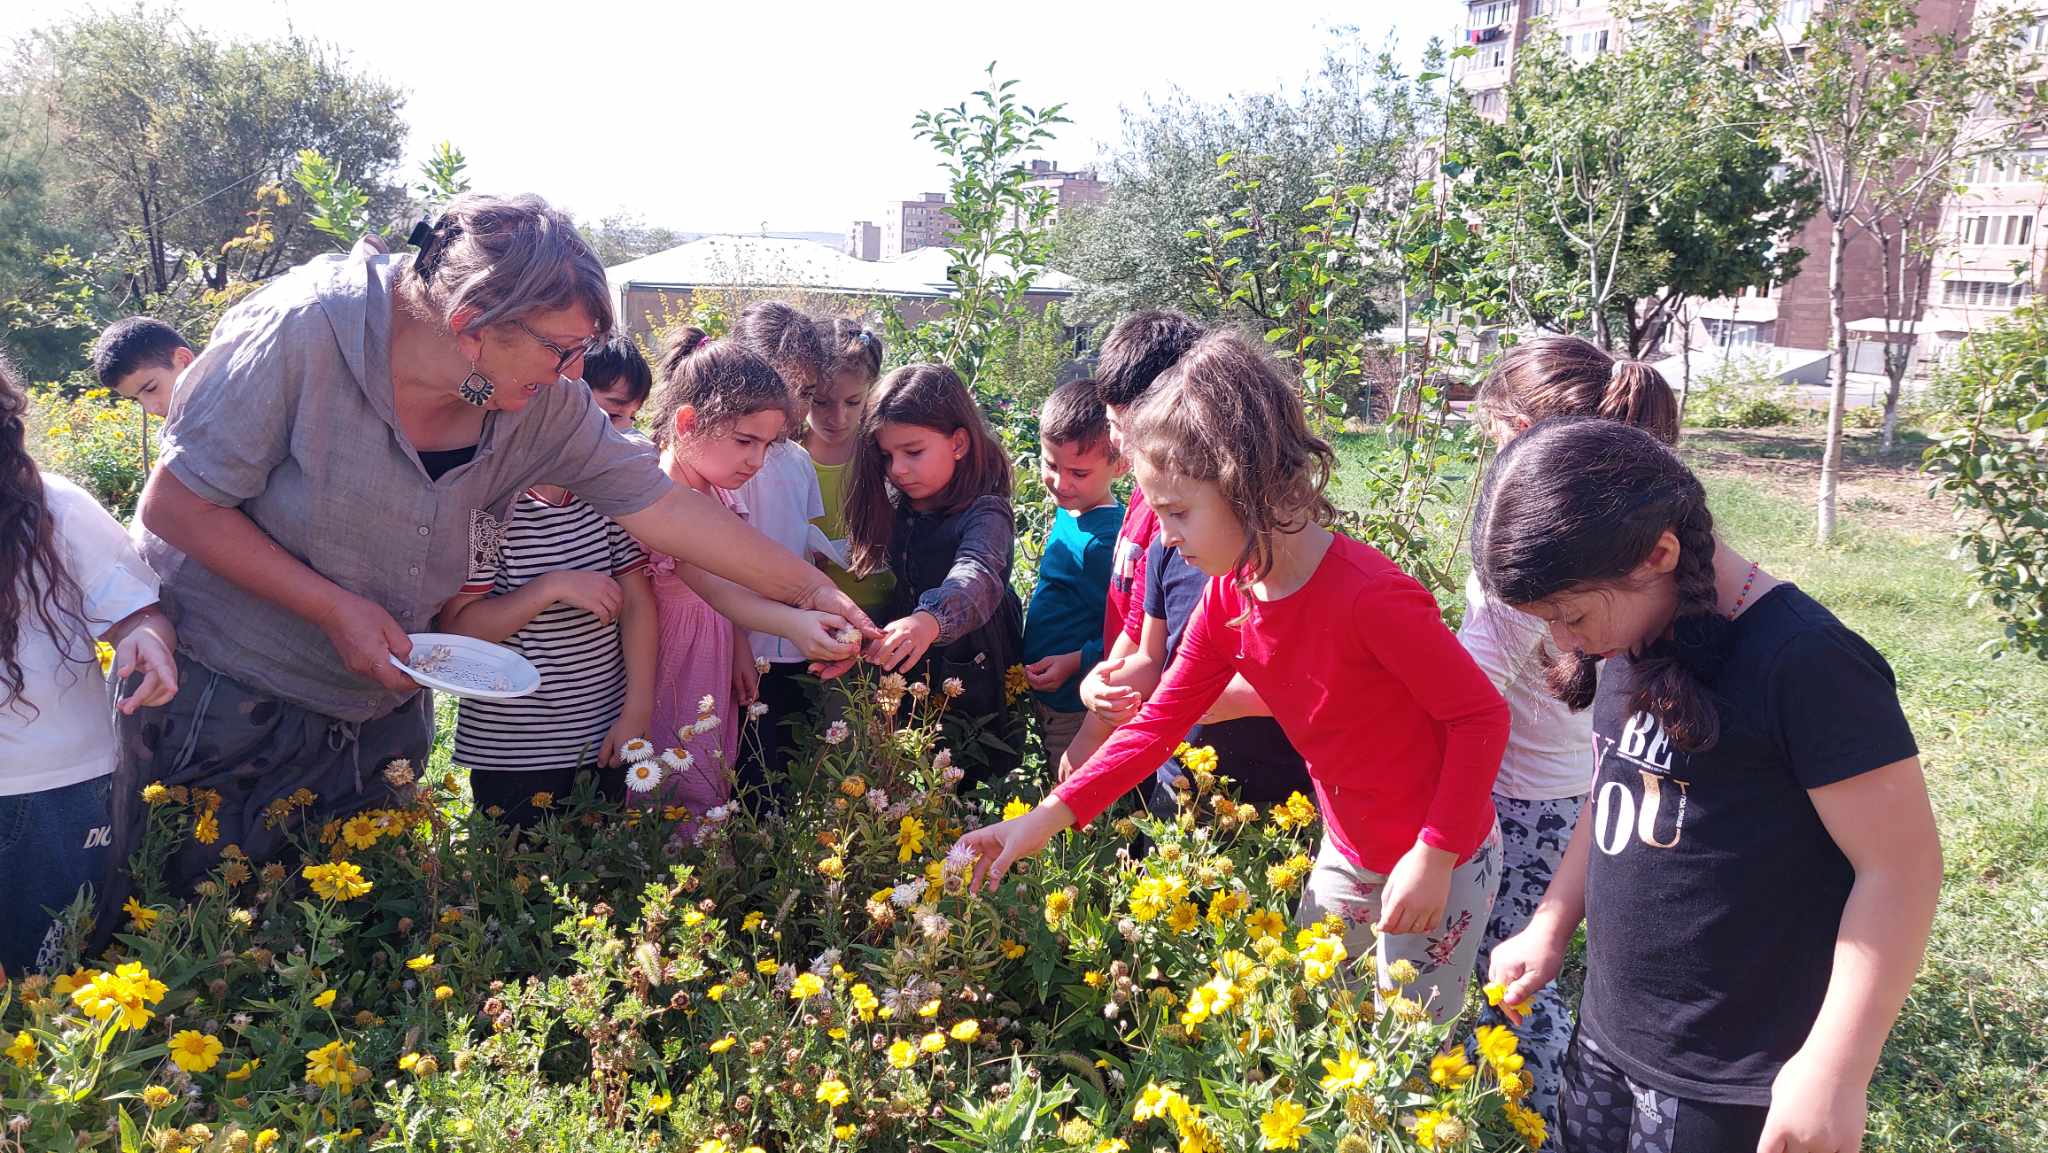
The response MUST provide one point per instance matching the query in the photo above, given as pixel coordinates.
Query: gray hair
(508, 257)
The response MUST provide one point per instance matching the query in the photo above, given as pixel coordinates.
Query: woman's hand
(594, 592)
(1815, 1108)
(829, 598)
(1417, 890)
(1108, 699)
(366, 638)
(903, 643)
(145, 645)
(997, 847)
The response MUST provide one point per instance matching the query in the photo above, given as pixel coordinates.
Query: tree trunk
(1684, 365)
(1838, 395)
(1891, 401)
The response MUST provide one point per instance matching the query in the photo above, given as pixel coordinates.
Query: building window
(1499, 59)
(2034, 37)
(1996, 228)
(2027, 164)
(1984, 293)
(1794, 11)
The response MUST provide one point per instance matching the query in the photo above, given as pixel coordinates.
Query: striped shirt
(581, 661)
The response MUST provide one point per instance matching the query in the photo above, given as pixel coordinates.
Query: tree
(1878, 105)
(1135, 249)
(1615, 190)
(173, 132)
(624, 236)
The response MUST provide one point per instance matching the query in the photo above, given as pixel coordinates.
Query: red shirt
(1125, 612)
(1401, 731)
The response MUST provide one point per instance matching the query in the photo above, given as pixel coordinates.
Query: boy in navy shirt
(1063, 629)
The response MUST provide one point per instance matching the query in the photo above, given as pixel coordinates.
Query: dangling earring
(476, 389)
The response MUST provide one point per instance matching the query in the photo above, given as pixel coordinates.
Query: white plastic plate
(468, 667)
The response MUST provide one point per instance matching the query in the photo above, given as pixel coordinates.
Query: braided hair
(1579, 502)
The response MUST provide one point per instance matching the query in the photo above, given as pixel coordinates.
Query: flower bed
(819, 979)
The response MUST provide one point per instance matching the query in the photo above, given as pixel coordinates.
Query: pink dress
(693, 661)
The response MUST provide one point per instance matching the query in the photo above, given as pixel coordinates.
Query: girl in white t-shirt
(1548, 765)
(68, 579)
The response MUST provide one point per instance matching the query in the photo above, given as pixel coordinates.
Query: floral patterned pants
(1444, 957)
(1533, 836)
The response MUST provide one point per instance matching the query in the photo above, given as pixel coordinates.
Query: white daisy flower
(954, 687)
(705, 704)
(920, 690)
(836, 732)
(756, 711)
(703, 725)
(644, 774)
(718, 813)
(847, 636)
(679, 760)
(761, 665)
(636, 750)
(907, 894)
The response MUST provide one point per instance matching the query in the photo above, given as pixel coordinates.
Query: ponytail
(1637, 394)
(1580, 503)
(719, 380)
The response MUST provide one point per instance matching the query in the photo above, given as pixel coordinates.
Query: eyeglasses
(564, 357)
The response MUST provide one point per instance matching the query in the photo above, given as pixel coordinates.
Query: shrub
(820, 979)
(96, 439)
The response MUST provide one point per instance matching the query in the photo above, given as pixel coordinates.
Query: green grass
(1967, 1066)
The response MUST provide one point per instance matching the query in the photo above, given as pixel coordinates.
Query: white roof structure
(771, 262)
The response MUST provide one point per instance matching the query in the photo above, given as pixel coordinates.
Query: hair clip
(421, 234)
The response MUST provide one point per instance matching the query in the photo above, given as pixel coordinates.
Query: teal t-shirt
(1072, 595)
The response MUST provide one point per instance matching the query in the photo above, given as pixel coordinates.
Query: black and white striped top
(582, 663)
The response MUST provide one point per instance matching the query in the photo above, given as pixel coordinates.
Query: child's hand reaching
(746, 678)
(1049, 673)
(594, 592)
(903, 643)
(819, 636)
(624, 729)
(1106, 697)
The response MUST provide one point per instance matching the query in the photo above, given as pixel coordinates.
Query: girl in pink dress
(714, 411)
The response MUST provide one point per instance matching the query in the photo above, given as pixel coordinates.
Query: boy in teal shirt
(1063, 629)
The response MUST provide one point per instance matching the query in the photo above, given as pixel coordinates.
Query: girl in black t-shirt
(1758, 864)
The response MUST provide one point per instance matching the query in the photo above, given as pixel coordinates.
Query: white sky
(730, 114)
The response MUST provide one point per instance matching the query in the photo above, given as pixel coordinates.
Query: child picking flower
(1757, 865)
(930, 501)
(1401, 732)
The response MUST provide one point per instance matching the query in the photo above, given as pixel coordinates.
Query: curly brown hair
(720, 379)
(33, 578)
(1228, 413)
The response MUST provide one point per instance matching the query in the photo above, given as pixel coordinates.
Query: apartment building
(1069, 190)
(908, 225)
(1992, 260)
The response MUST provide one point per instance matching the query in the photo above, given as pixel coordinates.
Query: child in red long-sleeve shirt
(1401, 730)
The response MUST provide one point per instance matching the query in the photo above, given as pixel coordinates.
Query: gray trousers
(252, 749)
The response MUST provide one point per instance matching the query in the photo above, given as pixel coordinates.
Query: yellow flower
(833, 1092)
(443, 992)
(245, 1070)
(1347, 1072)
(1265, 923)
(1294, 813)
(1281, 1127)
(1450, 1069)
(751, 921)
(1059, 905)
(139, 915)
(409, 1062)
(195, 1052)
(807, 986)
(104, 653)
(543, 800)
(831, 867)
(724, 1043)
(156, 1096)
(864, 1001)
(909, 838)
(1016, 808)
(902, 1054)
(360, 831)
(767, 966)
(966, 1032)
(206, 830)
(267, 1140)
(1402, 973)
(1209, 999)
(1183, 918)
(716, 992)
(932, 1042)
(1498, 1044)
(325, 1000)
(337, 880)
(658, 1103)
(1225, 904)
(845, 1131)
(714, 1145)
(22, 1050)
(1436, 1129)
(1011, 949)
(1159, 1101)
(929, 1009)
(463, 1126)
(1320, 958)
(1093, 978)
(330, 1066)
(125, 995)
(1112, 1145)
(1529, 1124)
(421, 963)
(154, 793)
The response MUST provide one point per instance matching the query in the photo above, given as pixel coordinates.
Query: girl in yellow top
(854, 363)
